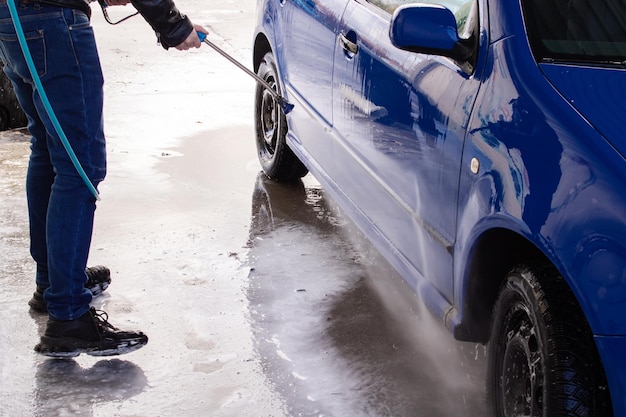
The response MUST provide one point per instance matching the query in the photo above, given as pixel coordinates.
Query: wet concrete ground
(259, 299)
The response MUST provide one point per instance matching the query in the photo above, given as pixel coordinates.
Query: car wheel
(542, 357)
(277, 160)
(5, 119)
(12, 115)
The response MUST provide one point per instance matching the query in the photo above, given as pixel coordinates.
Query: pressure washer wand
(287, 107)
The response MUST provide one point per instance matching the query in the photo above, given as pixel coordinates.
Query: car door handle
(348, 45)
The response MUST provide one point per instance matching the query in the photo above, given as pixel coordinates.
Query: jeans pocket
(81, 21)
(13, 55)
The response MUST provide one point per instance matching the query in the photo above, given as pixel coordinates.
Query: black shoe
(91, 334)
(98, 280)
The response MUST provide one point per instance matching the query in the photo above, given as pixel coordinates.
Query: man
(60, 206)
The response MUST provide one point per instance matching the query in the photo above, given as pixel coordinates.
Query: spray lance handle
(286, 106)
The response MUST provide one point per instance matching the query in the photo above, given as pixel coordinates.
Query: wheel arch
(494, 254)
(595, 276)
(261, 47)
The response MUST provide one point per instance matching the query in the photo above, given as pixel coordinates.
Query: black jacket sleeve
(171, 26)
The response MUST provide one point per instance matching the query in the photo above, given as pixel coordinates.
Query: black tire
(542, 357)
(12, 115)
(277, 160)
(5, 119)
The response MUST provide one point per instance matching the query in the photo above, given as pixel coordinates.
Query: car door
(400, 120)
(306, 42)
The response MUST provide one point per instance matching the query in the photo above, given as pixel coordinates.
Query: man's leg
(72, 79)
(71, 329)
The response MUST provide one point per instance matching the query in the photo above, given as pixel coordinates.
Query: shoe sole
(71, 348)
(98, 289)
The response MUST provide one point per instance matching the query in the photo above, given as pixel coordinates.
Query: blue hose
(44, 98)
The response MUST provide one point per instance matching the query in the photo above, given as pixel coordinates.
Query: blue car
(480, 146)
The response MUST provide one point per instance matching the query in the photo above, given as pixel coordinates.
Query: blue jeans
(60, 206)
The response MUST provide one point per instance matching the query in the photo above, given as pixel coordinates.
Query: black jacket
(171, 26)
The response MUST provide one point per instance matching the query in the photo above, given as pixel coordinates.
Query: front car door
(400, 120)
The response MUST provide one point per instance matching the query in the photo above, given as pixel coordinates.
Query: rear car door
(400, 120)
(309, 47)
(307, 44)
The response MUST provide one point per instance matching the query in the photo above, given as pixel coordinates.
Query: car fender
(540, 176)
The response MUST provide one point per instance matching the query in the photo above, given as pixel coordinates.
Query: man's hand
(192, 40)
(116, 2)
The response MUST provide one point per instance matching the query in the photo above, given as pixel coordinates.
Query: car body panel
(429, 159)
(305, 33)
(612, 351)
(599, 94)
(558, 191)
(308, 32)
(400, 123)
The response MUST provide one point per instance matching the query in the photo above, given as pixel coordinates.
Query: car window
(591, 31)
(460, 8)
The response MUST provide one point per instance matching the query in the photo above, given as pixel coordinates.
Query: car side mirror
(430, 29)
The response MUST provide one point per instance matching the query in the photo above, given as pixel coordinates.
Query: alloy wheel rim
(270, 117)
(522, 375)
